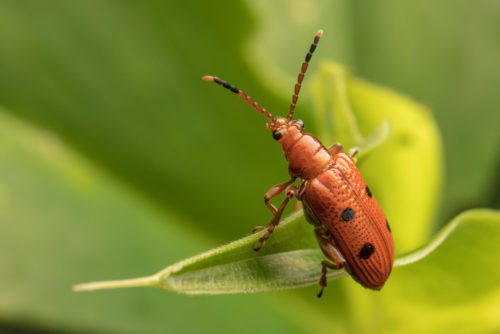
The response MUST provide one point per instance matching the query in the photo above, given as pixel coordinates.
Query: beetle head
(285, 130)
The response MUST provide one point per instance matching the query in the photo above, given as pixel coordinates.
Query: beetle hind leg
(331, 252)
(322, 280)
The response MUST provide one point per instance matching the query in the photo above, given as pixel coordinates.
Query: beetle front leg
(291, 192)
(332, 253)
(273, 192)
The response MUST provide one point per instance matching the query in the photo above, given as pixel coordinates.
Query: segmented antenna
(303, 72)
(240, 93)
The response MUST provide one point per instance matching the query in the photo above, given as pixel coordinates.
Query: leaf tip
(152, 281)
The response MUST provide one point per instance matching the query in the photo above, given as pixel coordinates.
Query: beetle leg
(271, 193)
(332, 253)
(335, 149)
(322, 280)
(298, 206)
(291, 192)
(353, 151)
(275, 191)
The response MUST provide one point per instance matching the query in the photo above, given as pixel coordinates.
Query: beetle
(349, 224)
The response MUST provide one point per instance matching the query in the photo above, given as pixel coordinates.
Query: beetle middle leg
(291, 192)
(298, 206)
(332, 253)
(354, 151)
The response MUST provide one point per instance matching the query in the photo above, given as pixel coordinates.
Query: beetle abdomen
(341, 201)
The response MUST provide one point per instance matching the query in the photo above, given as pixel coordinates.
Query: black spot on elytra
(387, 224)
(368, 192)
(366, 251)
(348, 214)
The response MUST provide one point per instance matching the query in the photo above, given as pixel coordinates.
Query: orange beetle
(349, 225)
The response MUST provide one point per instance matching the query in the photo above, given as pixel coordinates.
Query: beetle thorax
(306, 156)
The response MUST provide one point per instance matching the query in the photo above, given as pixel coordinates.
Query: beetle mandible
(349, 224)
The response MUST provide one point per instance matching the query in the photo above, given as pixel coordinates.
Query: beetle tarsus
(256, 249)
(322, 280)
(258, 229)
(270, 228)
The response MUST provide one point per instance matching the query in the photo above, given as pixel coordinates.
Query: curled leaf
(377, 138)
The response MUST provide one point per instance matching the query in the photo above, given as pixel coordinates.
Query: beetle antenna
(303, 72)
(240, 93)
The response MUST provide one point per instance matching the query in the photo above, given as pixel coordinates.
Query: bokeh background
(117, 160)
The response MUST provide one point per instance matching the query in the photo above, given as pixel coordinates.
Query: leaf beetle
(349, 224)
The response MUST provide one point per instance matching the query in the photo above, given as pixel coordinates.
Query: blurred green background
(117, 160)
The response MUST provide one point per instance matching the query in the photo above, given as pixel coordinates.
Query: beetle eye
(277, 134)
(300, 123)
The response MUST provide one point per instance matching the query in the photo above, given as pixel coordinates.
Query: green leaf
(290, 260)
(234, 269)
(431, 280)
